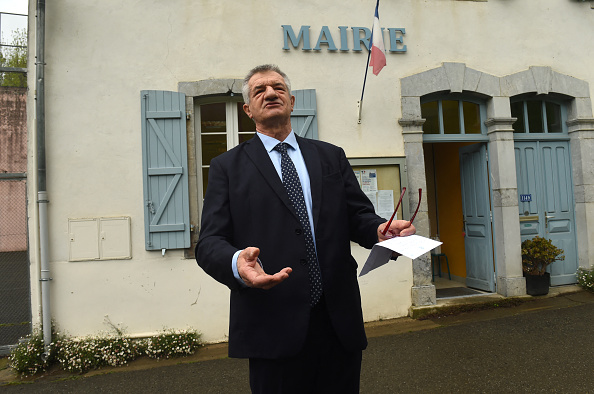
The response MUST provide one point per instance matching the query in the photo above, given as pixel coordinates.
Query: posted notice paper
(369, 180)
(385, 204)
(411, 246)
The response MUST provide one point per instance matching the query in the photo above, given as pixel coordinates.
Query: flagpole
(366, 69)
(365, 79)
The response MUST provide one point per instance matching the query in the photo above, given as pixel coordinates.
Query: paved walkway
(545, 344)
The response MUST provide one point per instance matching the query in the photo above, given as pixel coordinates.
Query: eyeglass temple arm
(396, 210)
(418, 205)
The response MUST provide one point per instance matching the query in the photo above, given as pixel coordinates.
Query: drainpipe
(42, 198)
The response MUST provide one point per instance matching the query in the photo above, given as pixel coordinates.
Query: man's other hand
(252, 273)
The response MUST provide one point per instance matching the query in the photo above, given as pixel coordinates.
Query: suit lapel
(257, 153)
(314, 168)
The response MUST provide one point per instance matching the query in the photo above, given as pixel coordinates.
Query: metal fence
(15, 293)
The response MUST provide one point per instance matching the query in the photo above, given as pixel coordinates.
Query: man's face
(269, 98)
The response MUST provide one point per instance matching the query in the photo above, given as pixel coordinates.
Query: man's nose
(270, 93)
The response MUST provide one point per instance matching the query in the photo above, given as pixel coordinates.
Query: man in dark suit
(284, 251)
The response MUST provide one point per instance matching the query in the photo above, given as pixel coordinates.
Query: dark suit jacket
(247, 205)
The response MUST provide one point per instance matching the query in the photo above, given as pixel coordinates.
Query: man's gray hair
(245, 89)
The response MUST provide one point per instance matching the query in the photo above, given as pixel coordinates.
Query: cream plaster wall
(100, 55)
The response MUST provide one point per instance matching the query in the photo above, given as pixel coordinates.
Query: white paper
(411, 246)
(385, 203)
(372, 196)
(369, 180)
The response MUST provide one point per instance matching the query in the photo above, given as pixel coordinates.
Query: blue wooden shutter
(165, 170)
(303, 117)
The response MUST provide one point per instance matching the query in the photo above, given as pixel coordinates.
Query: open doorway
(453, 275)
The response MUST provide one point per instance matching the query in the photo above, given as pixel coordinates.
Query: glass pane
(212, 118)
(451, 116)
(244, 121)
(472, 118)
(212, 146)
(517, 111)
(204, 181)
(245, 136)
(430, 112)
(535, 121)
(554, 118)
(13, 33)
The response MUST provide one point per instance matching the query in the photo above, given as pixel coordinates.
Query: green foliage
(538, 253)
(172, 344)
(77, 356)
(81, 355)
(15, 56)
(26, 358)
(94, 352)
(585, 278)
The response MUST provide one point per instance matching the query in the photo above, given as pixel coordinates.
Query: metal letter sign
(525, 197)
(396, 35)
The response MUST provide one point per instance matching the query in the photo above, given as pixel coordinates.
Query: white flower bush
(172, 344)
(94, 352)
(119, 351)
(26, 358)
(81, 355)
(585, 278)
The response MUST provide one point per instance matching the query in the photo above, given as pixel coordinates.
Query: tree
(15, 56)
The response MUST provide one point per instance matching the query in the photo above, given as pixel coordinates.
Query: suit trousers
(322, 366)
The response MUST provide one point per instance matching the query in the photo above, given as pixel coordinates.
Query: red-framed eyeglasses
(398, 206)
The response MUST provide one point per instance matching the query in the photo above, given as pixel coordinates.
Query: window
(221, 126)
(172, 201)
(452, 116)
(537, 116)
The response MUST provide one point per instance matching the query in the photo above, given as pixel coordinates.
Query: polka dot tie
(293, 186)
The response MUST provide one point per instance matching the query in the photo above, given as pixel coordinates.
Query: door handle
(547, 217)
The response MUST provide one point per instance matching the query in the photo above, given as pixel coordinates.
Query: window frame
(543, 99)
(222, 90)
(462, 136)
(231, 130)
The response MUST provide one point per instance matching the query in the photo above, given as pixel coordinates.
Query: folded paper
(411, 246)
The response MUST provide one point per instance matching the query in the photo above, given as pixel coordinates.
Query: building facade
(484, 105)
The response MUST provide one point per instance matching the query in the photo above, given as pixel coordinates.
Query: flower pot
(538, 284)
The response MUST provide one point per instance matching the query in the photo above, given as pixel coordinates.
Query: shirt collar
(271, 142)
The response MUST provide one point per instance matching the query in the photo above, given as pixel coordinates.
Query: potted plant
(537, 254)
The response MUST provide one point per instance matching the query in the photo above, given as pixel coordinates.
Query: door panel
(529, 227)
(559, 214)
(476, 206)
(474, 230)
(559, 226)
(544, 172)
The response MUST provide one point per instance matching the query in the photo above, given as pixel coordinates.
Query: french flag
(378, 51)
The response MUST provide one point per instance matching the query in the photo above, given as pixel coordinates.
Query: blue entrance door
(545, 199)
(476, 207)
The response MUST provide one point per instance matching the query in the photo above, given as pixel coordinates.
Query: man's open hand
(252, 273)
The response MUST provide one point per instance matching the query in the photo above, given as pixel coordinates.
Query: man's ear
(292, 102)
(246, 109)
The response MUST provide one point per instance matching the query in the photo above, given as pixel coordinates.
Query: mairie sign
(360, 37)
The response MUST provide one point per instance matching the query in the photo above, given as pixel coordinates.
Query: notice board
(382, 180)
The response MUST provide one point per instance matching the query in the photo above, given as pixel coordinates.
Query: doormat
(456, 292)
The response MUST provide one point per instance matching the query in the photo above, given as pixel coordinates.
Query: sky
(8, 23)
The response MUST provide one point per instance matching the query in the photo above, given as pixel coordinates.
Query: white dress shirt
(295, 154)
